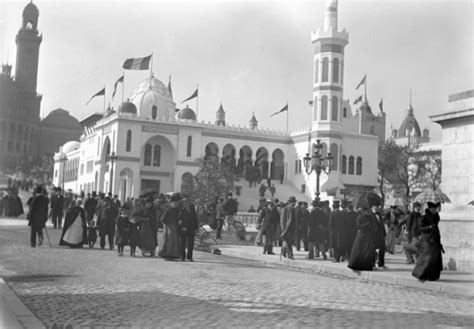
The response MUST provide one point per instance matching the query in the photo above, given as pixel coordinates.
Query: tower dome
(409, 124)
(61, 119)
(253, 122)
(127, 107)
(30, 15)
(186, 114)
(152, 99)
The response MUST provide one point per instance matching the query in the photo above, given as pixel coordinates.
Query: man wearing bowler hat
(288, 226)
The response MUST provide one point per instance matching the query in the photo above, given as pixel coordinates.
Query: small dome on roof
(70, 146)
(127, 107)
(187, 114)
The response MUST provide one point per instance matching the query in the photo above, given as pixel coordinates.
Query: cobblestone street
(96, 288)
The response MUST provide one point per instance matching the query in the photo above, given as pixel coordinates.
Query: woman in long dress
(429, 262)
(75, 228)
(362, 253)
(170, 244)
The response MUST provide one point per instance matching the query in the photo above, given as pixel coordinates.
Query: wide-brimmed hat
(433, 205)
(292, 199)
(316, 203)
(416, 204)
(335, 204)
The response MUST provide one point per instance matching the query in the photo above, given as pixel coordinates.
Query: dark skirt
(429, 262)
(147, 237)
(363, 251)
(134, 235)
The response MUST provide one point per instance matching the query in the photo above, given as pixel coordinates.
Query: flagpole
(287, 110)
(123, 84)
(365, 88)
(104, 98)
(197, 103)
(151, 68)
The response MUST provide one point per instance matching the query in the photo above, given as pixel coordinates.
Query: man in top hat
(413, 233)
(106, 223)
(336, 226)
(89, 206)
(187, 226)
(269, 218)
(288, 227)
(350, 228)
(317, 224)
(379, 234)
(301, 232)
(38, 216)
(57, 207)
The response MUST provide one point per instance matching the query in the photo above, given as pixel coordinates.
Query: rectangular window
(90, 166)
(10, 146)
(82, 169)
(55, 173)
(303, 188)
(296, 166)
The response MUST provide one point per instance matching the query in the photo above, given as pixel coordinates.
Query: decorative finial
(410, 97)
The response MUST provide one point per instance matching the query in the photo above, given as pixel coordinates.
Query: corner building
(145, 144)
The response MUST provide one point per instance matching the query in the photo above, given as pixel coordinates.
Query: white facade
(144, 145)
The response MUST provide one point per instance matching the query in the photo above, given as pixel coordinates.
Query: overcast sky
(252, 56)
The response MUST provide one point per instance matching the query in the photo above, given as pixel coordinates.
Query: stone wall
(457, 239)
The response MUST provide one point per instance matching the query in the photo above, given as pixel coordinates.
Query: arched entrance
(102, 183)
(126, 184)
(228, 156)
(245, 161)
(187, 183)
(278, 165)
(211, 152)
(261, 163)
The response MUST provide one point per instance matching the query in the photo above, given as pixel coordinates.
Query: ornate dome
(153, 99)
(61, 119)
(127, 107)
(187, 113)
(70, 146)
(408, 124)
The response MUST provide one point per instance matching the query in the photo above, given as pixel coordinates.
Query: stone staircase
(249, 195)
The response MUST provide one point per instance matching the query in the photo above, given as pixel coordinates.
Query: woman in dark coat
(148, 228)
(362, 253)
(75, 228)
(429, 262)
(170, 244)
(122, 232)
(269, 218)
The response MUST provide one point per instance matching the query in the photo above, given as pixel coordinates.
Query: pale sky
(252, 56)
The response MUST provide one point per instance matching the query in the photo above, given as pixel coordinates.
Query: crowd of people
(359, 236)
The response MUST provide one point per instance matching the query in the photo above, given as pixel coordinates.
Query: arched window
(359, 166)
(334, 155)
(344, 112)
(189, 146)
(335, 70)
(147, 155)
(324, 108)
(351, 165)
(156, 155)
(316, 71)
(334, 108)
(315, 109)
(154, 112)
(325, 77)
(344, 164)
(128, 144)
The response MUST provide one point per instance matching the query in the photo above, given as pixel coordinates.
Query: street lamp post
(112, 158)
(318, 163)
(64, 160)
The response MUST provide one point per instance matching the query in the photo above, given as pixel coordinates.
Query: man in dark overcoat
(350, 228)
(188, 224)
(57, 208)
(313, 230)
(336, 225)
(269, 218)
(322, 225)
(38, 216)
(288, 227)
(301, 231)
(379, 234)
(106, 223)
(89, 206)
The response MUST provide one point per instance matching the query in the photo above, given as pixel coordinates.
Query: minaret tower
(28, 41)
(328, 75)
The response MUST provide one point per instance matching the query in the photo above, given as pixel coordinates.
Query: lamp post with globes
(318, 163)
(112, 158)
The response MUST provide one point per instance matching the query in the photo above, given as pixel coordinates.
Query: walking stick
(47, 235)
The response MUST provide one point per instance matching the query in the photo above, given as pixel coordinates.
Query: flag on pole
(100, 93)
(194, 95)
(358, 99)
(169, 88)
(362, 82)
(284, 109)
(142, 63)
(381, 105)
(116, 84)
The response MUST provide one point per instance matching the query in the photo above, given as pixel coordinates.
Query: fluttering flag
(100, 93)
(284, 109)
(137, 63)
(362, 82)
(194, 95)
(381, 105)
(116, 84)
(169, 88)
(358, 99)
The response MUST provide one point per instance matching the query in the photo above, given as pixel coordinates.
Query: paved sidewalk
(397, 273)
(13, 313)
